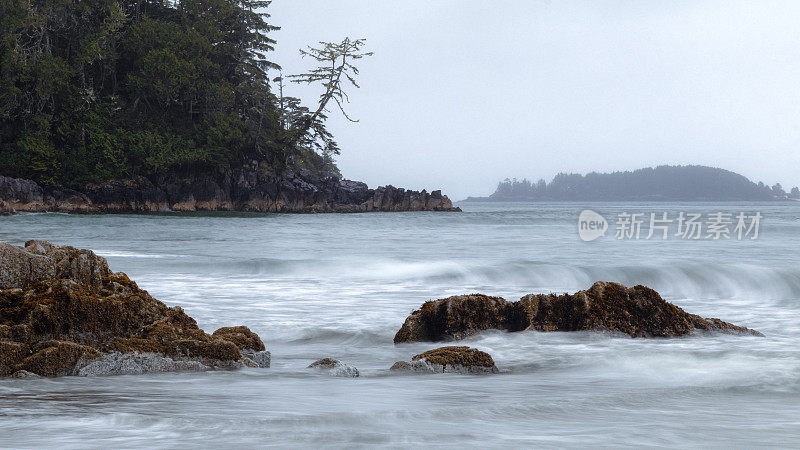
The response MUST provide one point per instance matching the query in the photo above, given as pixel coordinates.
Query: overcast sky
(461, 94)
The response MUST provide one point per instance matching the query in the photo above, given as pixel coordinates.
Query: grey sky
(461, 94)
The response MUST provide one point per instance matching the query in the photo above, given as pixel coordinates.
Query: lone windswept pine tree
(337, 66)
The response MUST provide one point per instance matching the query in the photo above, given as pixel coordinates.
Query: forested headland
(93, 90)
(172, 105)
(662, 183)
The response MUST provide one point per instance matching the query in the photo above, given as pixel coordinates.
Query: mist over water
(315, 286)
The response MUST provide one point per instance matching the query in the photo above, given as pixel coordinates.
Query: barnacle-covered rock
(638, 312)
(241, 336)
(463, 360)
(63, 312)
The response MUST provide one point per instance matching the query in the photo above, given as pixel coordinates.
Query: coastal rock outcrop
(335, 368)
(63, 312)
(6, 209)
(638, 312)
(463, 360)
(20, 191)
(252, 188)
(41, 260)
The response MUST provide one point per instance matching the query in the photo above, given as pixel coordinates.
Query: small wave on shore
(341, 286)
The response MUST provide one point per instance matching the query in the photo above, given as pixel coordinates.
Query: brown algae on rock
(456, 359)
(638, 312)
(61, 308)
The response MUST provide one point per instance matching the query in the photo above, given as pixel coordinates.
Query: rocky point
(64, 312)
(251, 188)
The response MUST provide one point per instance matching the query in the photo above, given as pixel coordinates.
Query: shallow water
(341, 285)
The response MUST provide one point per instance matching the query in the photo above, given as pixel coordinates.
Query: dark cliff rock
(63, 312)
(638, 312)
(17, 190)
(248, 189)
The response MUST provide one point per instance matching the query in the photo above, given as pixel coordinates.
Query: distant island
(663, 183)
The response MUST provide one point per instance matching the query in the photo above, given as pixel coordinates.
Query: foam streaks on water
(341, 285)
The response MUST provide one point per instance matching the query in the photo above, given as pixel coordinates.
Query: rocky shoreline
(249, 189)
(64, 312)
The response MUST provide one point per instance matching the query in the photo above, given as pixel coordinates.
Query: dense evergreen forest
(660, 183)
(92, 90)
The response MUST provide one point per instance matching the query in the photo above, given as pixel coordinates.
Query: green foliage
(336, 65)
(42, 157)
(92, 90)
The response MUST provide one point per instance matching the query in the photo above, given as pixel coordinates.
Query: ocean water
(340, 286)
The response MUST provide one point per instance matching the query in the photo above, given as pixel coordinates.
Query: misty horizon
(462, 96)
(457, 224)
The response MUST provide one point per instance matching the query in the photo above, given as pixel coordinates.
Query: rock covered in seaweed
(242, 337)
(638, 312)
(456, 317)
(463, 360)
(335, 368)
(41, 261)
(63, 312)
(56, 358)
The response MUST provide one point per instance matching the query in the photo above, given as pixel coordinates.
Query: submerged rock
(116, 363)
(253, 358)
(25, 374)
(463, 360)
(335, 368)
(63, 312)
(638, 312)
